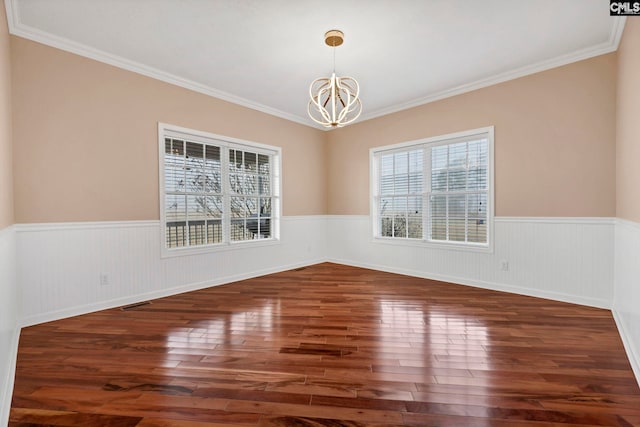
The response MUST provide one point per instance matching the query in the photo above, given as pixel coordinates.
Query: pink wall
(6, 156)
(86, 144)
(554, 142)
(85, 140)
(627, 129)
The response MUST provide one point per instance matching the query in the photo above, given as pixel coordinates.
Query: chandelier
(334, 100)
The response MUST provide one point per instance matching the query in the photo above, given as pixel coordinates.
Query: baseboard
(118, 302)
(634, 357)
(6, 392)
(555, 296)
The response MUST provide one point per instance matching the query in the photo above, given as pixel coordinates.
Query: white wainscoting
(60, 265)
(626, 299)
(9, 320)
(565, 259)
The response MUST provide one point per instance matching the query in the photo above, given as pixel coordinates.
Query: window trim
(425, 241)
(168, 130)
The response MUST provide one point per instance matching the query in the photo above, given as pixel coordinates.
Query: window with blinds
(401, 189)
(436, 190)
(250, 195)
(215, 190)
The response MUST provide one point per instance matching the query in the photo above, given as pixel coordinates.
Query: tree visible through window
(216, 192)
(437, 190)
(401, 187)
(249, 177)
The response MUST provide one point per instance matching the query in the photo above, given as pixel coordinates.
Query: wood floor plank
(329, 346)
(35, 417)
(163, 422)
(330, 414)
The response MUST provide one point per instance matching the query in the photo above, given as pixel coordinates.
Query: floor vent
(134, 306)
(299, 269)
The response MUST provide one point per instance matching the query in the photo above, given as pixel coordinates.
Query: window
(216, 191)
(438, 190)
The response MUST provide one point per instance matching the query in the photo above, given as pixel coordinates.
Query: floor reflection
(445, 333)
(444, 348)
(223, 330)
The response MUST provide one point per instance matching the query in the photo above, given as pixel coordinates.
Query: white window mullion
(406, 213)
(276, 173)
(466, 217)
(377, 191)
(426, 193)
(446, 217)
(226, 191)
(186, 199)
(275, 191)
(446, 199)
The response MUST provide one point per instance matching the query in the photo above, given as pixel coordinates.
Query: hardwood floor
(329, 345)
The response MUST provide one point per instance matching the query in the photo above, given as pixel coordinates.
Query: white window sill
(431, 244)
(220, 247)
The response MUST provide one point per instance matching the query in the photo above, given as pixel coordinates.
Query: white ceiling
(264, 53)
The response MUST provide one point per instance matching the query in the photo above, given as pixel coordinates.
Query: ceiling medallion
(334, 100)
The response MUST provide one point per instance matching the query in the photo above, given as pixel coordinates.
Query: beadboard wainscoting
(60, 268)
(9, 319)
(626, 299)
(69, 269)
(564, 259)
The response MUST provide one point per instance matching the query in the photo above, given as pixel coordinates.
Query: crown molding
(603, 48)
(616, 32)
(18, 29)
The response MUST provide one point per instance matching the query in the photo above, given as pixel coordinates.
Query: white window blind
(459, 191)
(250, 199)
(193, 193)
(216, 191)
(401, 189)
(437, 190)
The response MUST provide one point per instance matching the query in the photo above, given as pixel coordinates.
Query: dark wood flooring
(329, 345)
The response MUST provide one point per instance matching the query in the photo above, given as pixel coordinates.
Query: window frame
(225, 143)
(425, 144)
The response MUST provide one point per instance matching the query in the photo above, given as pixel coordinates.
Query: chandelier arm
(318, 97)
(323, 82)
(352, 84)
(326, 101)
(352, 104)
(345, 89)
(323, 123)
(341, 100)
(359, 105)
(323, 120)
(341, 90)
(343, 114)
(323, 111)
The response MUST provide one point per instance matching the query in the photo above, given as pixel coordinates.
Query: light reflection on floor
(223, 330)
(440, 341)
